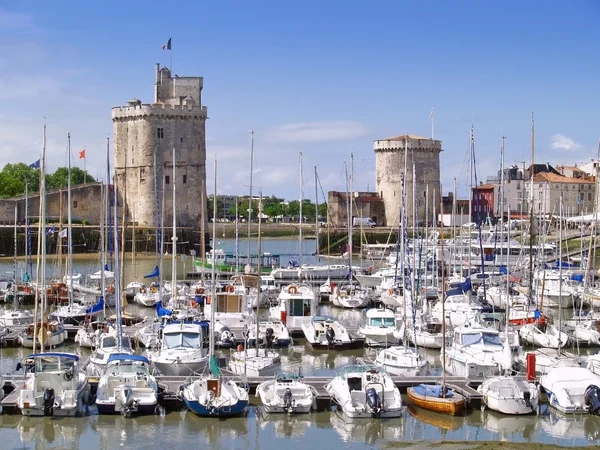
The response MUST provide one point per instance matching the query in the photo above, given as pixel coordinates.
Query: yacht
(543, 335)
(127, 386)
(510, 395)
(349, 295)
(475, 352)
(325, 332)
(402, 361)
(182, 351)
(108, 344)
(363, 391)
(379, 327)
(53, 386)
(287, 393)
(296, 304)
(271, 333)
(566, 386)
(254, 362)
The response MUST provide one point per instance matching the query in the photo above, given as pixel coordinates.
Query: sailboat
(506, 393)
(181, 351)
(435, 397)
(126, 385)
(73, 313)
(213, 394)
(53, 385)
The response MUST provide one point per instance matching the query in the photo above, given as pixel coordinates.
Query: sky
(322, 78)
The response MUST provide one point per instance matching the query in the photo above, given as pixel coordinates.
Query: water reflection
(367, 431)
(284, 425)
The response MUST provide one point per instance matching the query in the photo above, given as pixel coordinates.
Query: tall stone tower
(145, 135)
(389, 168)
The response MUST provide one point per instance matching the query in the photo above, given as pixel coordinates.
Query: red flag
(82, 154)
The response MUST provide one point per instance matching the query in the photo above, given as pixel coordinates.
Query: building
(424, 153)
(483, 202)
(364, 204)
(578, 194)
(145, 137)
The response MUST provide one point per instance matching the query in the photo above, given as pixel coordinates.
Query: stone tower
(145, 136)
(389, 168)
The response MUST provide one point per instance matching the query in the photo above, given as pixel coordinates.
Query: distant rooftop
(554, 178)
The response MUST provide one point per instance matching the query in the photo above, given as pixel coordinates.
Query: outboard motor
(226, 337)
(330, 336)
(127, 400)
(48, 402)
(287, 400)
(527, 398)
(373, 402)
(269, 336)
(592, 399)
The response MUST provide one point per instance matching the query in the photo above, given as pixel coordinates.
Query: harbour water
(181, 429)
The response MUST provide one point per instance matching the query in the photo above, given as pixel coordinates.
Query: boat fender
(229, 288)
(292, 289)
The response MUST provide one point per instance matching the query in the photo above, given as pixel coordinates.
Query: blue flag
(35, 165)
(50, 230)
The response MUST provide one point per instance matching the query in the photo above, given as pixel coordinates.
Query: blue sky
(322, 77)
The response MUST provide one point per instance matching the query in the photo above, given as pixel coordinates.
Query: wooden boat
(432, 398)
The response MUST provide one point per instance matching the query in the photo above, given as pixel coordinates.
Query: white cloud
(17, 21)
(333, 130)
(562, 142)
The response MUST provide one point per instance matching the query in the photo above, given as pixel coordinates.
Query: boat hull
(452, 406)
(213, 411)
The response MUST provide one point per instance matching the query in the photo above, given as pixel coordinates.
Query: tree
(323, 211)
(210, 209)
(60, 178)
(273, 207)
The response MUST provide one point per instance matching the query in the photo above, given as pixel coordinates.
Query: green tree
(323, 211)
(273, 207)
(60, 178)
(13, 178)
(210, 210)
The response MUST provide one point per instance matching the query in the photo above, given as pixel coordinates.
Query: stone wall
(364, 204)
(389, 168)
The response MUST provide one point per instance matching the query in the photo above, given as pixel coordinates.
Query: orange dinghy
(434, 397)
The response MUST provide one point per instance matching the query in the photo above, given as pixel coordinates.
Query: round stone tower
(145, 135)
(389, 169)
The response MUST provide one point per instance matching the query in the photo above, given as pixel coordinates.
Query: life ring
(229, 288)
(292, 289)
(240, 348)
(153, 290)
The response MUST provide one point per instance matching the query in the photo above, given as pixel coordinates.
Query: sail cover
(160, 311)
(155, 273)
(97, 307)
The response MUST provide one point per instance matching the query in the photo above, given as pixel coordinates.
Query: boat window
(109, 341)
(382, 322)
(491, 339)
(132, 367)
(191, 340)
(175, 340)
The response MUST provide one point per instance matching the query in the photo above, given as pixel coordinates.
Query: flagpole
(85, 170)
(431, 116)
(171, 57)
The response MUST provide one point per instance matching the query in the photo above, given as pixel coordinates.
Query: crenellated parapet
(159, 110)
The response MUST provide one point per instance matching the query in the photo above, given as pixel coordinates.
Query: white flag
(63, 233)
(431, 113)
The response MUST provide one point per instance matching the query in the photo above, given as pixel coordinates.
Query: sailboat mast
(118, 271)
(300, 212)
(471, 143)
(213, 295)
(258, 294)
(443, 299)
(104, 197)
(249, 260)
(174, 235)
(316, 215)
(69, 227)
(15, 256)
(162, 240)
(42, 278)
(531, 227)
(560, 267)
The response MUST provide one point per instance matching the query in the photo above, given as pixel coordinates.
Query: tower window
(160, 133)
(181, 139)
(184, 179)
(167, 179)
(74, 204)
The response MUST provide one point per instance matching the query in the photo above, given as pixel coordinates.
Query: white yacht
(458, 309)
(54, 386)
(49, 334)
(510, 395)
(231, 305)
(271, 333)
(255, 363)
(379, 327)
(181, 351)
(363, 391)
(313, 272)
(349, 295)
(426, 333)
(566, 386)
(287, 393)
(552, 291)
(402, 361)
(326, 332)
(475, 352)
(127, 386)
(108, 344)
(543, 335)
(295, 305)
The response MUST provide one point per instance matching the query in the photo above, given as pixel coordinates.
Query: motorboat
(427, 334)
(254, 362)
(379, 327)
(181, 351)
(475, 352)
(148, 296)
(402, 360)
(108, 344)
(325, 332)
(311, 272)
(76, 313)
(16, 319)
(587, 332)
(365, 391)
(566, 386)
(548, 359)
(127, 386)
(296, 304)
(510, 395)
(54, 386)
(230, 305)
(458, 309)
(287, 393)
(271, 333)
(543, 335)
